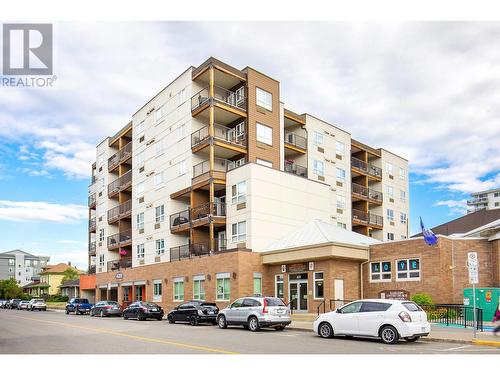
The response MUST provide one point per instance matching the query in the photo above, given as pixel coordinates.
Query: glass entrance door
(298, 292)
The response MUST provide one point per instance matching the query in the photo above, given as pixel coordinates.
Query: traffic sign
(472, 259)
(473, 267)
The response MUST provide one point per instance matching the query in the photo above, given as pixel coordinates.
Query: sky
(426, 91)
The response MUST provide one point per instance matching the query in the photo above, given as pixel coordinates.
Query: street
(53, 332)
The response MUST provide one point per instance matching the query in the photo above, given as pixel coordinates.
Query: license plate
(211, 312)
(154, 309)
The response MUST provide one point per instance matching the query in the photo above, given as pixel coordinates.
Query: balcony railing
(91, 270)
(367, 192)
(359, 216)
(234, 99)
(376, 220)
(92, 224)
(365, 167)
(295, 140)
(121, 211)
(477, 200)
(220, 165)
(92, 248)
(180, 219)
(367, 218)
(92, 200)
(123, 154)
(121, 183)
(120, 239)
(375, 195)
(197, 249)
(221, 132)
(296, 169)
(200, 212)
(114, 265)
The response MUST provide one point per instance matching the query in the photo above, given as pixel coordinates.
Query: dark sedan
(194, 312)
(142, 311)
(106, 308)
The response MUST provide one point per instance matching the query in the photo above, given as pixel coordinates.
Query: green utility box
(486, 299)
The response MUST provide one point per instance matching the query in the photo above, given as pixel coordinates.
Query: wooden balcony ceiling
(225, 75)
(358, 146)
(292, 118)
(125, 131)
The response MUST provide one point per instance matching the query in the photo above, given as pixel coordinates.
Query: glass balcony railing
(296, 140)
(234, 99)
(221, 132)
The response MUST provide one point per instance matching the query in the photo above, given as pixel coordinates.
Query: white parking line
(456, 348)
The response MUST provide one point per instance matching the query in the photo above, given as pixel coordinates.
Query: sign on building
(473, 266)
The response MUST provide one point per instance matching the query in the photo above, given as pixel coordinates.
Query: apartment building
(215, 163)
(488, 199)
(21, 266)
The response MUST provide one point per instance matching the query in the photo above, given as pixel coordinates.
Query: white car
(23, 305)
(388, 319)
(37, 304)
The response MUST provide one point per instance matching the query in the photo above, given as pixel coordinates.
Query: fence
(456, 315)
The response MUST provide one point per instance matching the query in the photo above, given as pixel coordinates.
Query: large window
(160, 147)
(140, 251)
(264, 134)
(317, 138)
(140, 220)
(339, 148)
(223, 287)
(181, 132)
(157, 290)
(238, 192)
(159, 179)
(340, 175)
(380, 271)
(402, 173)
(278, 286)
(199, 287)
(139, 159)
(402, 196)
(408, 269)
(390, 236)
(160, 213)
(264, 99)
(319, 291)
(341, 202)
(139, 128)
(12, 262)
(101, 260)
(388, 168)
(402, 218)
(318, 168)
(139, 189)
(181, 168)
(257, 283)
(101, 235)
(178, 289)
(390, 191)
(390, 214)
(160, 246)
(239, 231)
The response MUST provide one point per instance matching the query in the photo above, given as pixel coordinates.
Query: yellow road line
(486, 342)
(141, 338)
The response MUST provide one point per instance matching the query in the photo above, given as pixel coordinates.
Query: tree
(70, 274)
(9, 289)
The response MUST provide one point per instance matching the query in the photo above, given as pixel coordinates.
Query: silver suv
(254, 313)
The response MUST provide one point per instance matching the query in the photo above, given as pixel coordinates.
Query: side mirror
(338, 311)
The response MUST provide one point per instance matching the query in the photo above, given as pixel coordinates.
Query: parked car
(254, 313)
(388, 319)
(106, 308)
(78, 306)
(2, 304)
(23, 305)
(13, 303)
(194, 312)
(143, 310)
(37, 304)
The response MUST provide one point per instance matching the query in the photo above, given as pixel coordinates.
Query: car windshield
(149, 304)
(412, 306)
(208, 304)
(112, 303)
(274, 302)
(81, 300)
(38, 300)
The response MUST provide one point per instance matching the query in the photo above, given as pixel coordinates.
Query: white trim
(276, 285)
(405, 279)
(314, 285)
(142, 282)
(381, 280)
(178, 279)
(198, 277)
(127, 283)
(223, 275)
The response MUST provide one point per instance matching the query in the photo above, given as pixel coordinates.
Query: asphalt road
(53, 332)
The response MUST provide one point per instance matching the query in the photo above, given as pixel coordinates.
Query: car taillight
(404, 316)
(107, 307)
(144, 309)
(264, 309)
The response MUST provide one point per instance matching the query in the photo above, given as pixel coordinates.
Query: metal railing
(456, 315)
(376, 220)
(120, 183)
(375, 195)
(232, 98)
(92, 247)
(367, 192)
(92, 200)
(120, 239)
(220, 132)
(92, 224)
(296, 169)
(91, 270)
(197, 213)
(198, 249)
(365, 167)
(220, 165)
(296, 140)
(358, 215)
(478, 200)
(124, 153)
(114, 265)
(180, 218)
(120, 211)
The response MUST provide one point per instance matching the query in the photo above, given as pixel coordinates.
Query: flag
(429, 237)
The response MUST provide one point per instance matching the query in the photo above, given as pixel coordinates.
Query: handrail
(120, 210)
(197, 213)
(324, 307)
(232, 98)
(118, 184)
(221, 132)
(289, 304)
(124, 153)
(296, 140)
(296, 169)
(454, 314)
(365, 167)
(220, 165)
(197, 249)
(118, 238)
(92, 200)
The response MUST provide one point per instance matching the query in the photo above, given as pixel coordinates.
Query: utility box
(486, 299)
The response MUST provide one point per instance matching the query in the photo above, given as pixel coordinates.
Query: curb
(486, 343)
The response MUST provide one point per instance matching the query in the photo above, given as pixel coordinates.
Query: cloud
(458, 207)
(42, 211)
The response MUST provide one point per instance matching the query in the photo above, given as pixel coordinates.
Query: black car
(143, 310)
(13, 303)
(106, 308)
(194, 312)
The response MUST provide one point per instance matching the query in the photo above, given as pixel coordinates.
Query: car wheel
(102, 314)
(221, 321)
(160, 318)
(125, 317)
(67, 312)
(412, 339)
(45, 309)
(170, 319)
(279, 328)
(325, 330)
(193, 320)
(140, 316)
(389, 335)
(253, 324)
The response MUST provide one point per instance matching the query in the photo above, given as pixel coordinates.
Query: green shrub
(57, 298)
(422, 299)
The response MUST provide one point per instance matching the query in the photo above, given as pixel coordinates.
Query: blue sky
(427, 91)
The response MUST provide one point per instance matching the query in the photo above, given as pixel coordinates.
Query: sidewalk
(304, 322)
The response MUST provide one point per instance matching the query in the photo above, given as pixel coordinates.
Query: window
(179, 289)
(278, 286)
(402, 218)
(341, 225)
(351, 308)
(264, 99)
(403, 237)
(101, 260)
(27, 263)
(319, 168)
(402, 196)
(160, 246)
(159, 114)
(257, 283)
(380, 271)
(265, 163)
(159, 179)
(140, 221)
(181, 97)
(181, 168)
(388, 168)
(374, 306)
(238, 192)
(101, 235)
(157, 290)
(390, 236)
(160, 147)
(402, 173)
(390, 214)
(140, 128)
(35, 263)
(408, 269)
(317, 138)
(199, 287)
(139, 159)
(139, 189)
(223, 292)
(340, 175)
(140, 251)
(159, 214)
(339, 148)
(181, 132)
(126, 293)
(318, 285)
(390, 191)
(264, 134)
(239, 231)
(341, 202)
(497, 194)
(12, 262)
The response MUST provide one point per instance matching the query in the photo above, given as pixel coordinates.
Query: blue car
(79, 306)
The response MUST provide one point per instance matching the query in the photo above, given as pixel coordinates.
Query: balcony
(376, 220)
(296, 169)
(120, 184)
(121, 239)
(231, 99)
(122, 211)
(480, 200)
(295, 142)
(124, 154)
(114, 265)
(91, 270)
(367, 218)
(362, 167)
(198, 216)
(364, 193)
(202, 172)
(228, 141)
(92, 225)
(92, 200)
(199, 249)
(92, 248)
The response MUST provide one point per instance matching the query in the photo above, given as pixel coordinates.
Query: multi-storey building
(488, 199)
(215, 163)
(21, 266)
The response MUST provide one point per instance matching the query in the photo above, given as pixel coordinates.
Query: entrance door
(297, 288)
(338, 287)
(221, 240)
